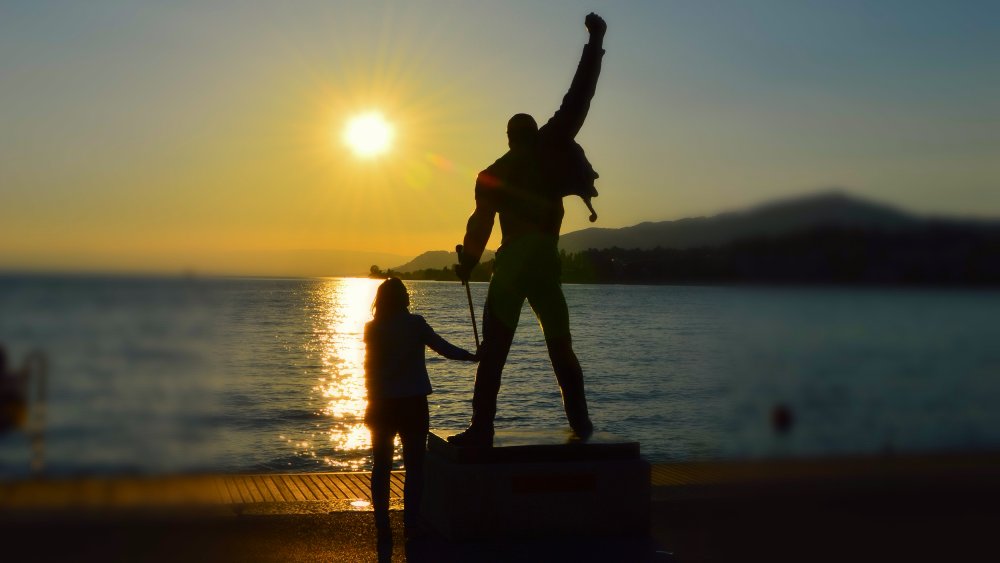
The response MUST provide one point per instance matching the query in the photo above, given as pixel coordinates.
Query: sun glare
(368, 134)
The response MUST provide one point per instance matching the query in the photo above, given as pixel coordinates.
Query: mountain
(824, 209)
(825, 238)
(435, 260)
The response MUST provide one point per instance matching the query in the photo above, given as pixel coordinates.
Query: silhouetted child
(398, 385)
(13, 395)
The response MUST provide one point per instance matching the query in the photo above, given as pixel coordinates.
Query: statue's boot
(475, 436)
(570, 377)
(575, 403)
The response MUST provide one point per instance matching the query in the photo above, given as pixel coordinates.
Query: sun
(368, 134)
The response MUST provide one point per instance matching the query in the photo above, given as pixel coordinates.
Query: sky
(143, 136)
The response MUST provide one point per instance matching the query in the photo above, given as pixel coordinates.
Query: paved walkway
(351, 491)
(128, 492)
(913, 508)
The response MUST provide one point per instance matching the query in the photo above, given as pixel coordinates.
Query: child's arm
(445, 348)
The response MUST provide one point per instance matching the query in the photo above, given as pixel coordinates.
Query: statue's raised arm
(569, 118)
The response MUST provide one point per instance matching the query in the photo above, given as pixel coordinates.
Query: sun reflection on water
(343, 306)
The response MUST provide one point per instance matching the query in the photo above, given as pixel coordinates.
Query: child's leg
(414, 438)
(381, 467)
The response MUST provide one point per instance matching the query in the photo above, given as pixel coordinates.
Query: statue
(525, 188)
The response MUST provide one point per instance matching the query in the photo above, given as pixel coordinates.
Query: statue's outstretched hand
(464, 270)
(595, 25)
(465, 265)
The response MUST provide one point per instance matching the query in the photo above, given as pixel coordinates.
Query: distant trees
(481, 272)
(936, 253)
(375, 272)
(939, 254)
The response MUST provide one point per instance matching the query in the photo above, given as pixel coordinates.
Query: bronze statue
(525, 188)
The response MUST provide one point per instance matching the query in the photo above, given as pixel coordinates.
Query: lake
(159, 375)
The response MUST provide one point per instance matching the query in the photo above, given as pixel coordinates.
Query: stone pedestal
(536, 483)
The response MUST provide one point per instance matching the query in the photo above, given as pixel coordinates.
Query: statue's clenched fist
(595, 24)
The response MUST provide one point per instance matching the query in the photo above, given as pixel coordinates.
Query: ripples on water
(161, 375)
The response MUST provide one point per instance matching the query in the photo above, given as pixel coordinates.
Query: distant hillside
(825, 238)
(828, 238)
(435, 260)
(826, 209)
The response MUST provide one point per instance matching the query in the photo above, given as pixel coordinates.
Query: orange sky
(150, 137)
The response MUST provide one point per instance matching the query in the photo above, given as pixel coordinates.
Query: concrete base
(596, 488)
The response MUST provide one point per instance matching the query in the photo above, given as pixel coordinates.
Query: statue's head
(521, 131)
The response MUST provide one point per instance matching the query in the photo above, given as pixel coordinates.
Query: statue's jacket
(526, 185)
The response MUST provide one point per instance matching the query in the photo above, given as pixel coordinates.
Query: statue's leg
(499, 322)
(549, 305)
(569, 374)
(500, 316)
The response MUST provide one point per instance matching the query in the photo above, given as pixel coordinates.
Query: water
(179, 375)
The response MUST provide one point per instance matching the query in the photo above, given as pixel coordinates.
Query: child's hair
(390, 298)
